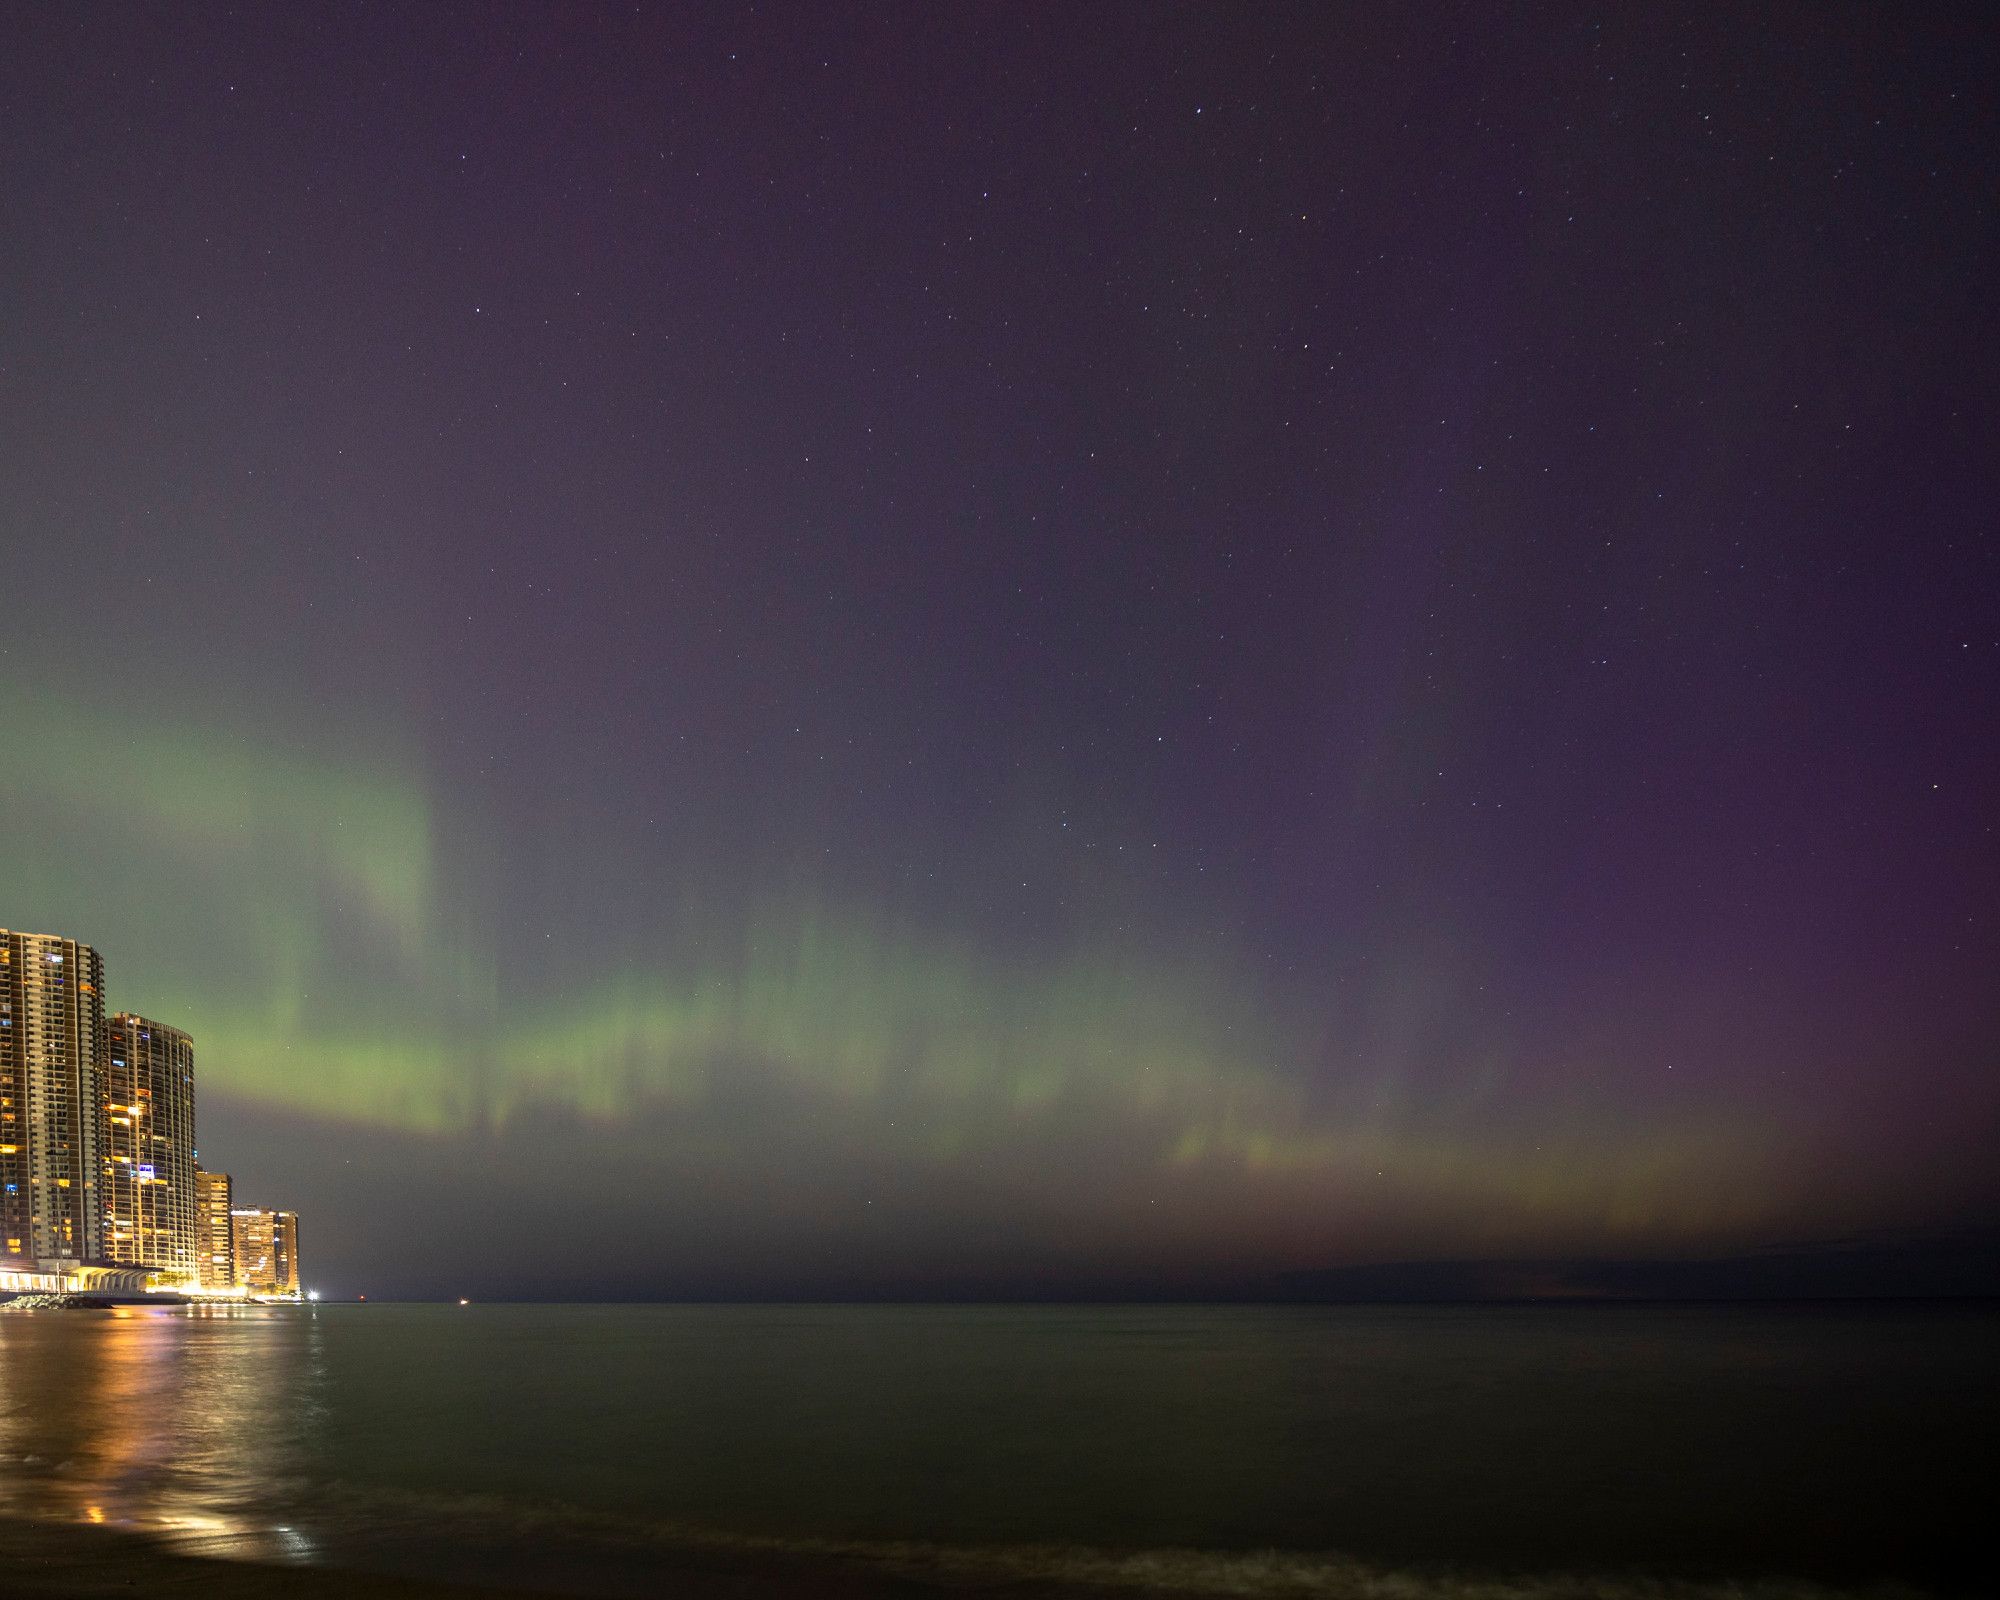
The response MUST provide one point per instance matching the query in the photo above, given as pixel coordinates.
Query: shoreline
(82, 1562)
(41, 1560)
(45, 1558)
(78, 1562)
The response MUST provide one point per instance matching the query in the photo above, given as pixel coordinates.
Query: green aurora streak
(284, 908)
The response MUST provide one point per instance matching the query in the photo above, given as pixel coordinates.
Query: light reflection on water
(177, 1422)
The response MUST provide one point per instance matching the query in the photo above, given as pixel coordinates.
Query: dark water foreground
(1479, 1453)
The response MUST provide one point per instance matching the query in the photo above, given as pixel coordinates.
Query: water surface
(569, 1446)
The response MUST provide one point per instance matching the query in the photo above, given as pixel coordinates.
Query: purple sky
(1011, 647)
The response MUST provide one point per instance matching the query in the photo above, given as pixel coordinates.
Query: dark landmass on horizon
(1957, 1266)
(1965, 1267)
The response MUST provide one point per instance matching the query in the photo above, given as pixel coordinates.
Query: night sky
(1027, 649)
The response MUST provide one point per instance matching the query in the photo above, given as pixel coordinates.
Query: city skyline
(101, 1189)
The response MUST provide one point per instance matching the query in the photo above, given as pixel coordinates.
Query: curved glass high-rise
(51, 1033)
(147, 1147)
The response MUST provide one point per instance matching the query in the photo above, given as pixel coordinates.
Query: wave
(425, 1529)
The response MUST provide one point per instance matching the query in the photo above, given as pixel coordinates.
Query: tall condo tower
(146, 1146)
(215, 1249)
(267, 1250)
(51, 1032)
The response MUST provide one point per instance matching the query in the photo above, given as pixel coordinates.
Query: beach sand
(39, 1559)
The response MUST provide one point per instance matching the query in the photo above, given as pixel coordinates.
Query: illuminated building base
(66, 1278)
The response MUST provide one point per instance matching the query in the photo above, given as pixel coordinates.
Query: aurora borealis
(758, 653)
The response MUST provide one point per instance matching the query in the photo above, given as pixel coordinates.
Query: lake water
(578, 1447)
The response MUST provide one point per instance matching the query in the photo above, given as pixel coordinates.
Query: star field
(967, 651)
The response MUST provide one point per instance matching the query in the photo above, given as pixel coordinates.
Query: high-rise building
(51, 1032)
(99, 1188)
(214, 1233)
(146, 1146)
(267, 1251)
